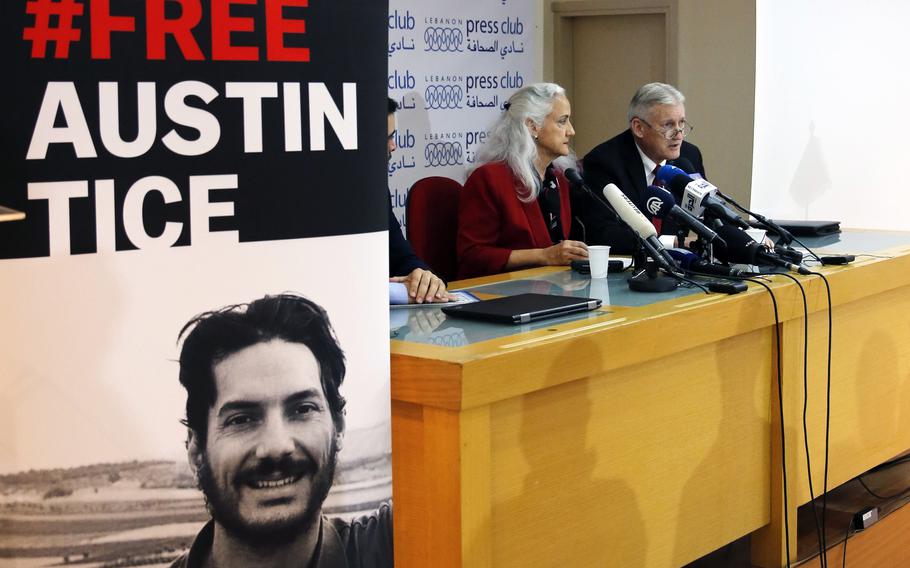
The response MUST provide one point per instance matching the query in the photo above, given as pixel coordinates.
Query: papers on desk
(625, 260)
(399, 298)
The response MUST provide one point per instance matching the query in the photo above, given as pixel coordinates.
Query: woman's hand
(564, 252)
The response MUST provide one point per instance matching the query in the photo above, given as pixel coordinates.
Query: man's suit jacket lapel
(635, 169)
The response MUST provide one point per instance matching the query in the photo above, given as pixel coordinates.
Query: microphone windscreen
(740, 247)
(684, 258)
(573, 177)
(658, 201)
(668, 172)
(628, 212)
(685, 165)
(677, 185)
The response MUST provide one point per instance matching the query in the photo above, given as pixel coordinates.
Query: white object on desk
(599, 260)
(398, 298)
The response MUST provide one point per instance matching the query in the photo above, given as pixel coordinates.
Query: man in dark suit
(657, 128)
(405, 266)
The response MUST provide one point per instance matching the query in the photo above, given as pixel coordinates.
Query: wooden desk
(644, 437)
(870, 385)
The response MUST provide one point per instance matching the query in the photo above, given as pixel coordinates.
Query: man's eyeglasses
(670, 132)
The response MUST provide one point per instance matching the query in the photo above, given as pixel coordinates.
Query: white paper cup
(599, 259)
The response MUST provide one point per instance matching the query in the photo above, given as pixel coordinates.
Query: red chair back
(432, 211)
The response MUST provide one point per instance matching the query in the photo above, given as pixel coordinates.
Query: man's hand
(423, 287)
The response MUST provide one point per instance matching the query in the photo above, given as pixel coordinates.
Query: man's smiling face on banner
(269, 458)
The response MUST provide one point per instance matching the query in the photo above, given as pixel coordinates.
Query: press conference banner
(174, 157)
(451, 68)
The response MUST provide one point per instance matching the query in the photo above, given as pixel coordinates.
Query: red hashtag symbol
(61, 34)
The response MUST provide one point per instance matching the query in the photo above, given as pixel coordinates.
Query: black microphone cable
(681, 276)
(713, 282)
(780, 403)
(690, 282)
(822, 551)
(824, 536)
(780, 398)
(764, 221)
(827, 407)
(578, 184)
(849, 531)
(900, 495)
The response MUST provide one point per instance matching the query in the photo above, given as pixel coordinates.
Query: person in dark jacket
(404, 265)
(655, 137)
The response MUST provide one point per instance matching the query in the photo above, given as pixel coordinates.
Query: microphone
(578, 182)
(782, 247)
(698, 195)
(685, 165)
(714, 269)
(785, 237)
(691, 262)
(741, 248)
(639, 224)
(660, 203)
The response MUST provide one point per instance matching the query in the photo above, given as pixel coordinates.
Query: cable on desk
(827, 410)
(691, 282)
(780, 402)
(822, 551)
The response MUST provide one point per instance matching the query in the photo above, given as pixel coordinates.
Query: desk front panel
(870, 388)
(650, 465)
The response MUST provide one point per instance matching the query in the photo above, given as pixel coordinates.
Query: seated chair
(432, 215)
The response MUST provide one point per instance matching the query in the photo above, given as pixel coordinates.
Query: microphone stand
(784, 237)
(647, 277)
(709, 263)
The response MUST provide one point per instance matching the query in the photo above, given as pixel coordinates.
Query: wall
(830, 89)
(711, 58)
(717, 74)
(451, 68)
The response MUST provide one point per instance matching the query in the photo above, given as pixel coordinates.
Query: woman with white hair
(514, 210)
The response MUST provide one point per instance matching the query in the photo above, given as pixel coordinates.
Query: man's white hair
(653, 94)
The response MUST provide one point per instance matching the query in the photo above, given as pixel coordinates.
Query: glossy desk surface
(428, 325)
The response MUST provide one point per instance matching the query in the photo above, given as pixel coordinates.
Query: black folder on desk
(523, 308)
(806, 228)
